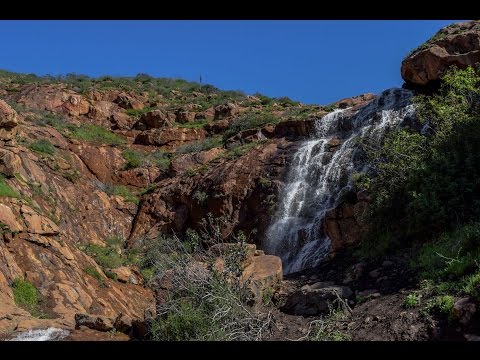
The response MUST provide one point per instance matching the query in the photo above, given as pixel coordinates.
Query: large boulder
(8, 116)
(155, 119)
(314, 300)
(225, 110)
(457, 44)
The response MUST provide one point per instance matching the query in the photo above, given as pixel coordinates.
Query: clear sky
(309, 61)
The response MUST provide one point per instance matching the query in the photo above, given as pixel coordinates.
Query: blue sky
(310, 61)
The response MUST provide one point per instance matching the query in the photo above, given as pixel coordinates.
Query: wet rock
(100, 323)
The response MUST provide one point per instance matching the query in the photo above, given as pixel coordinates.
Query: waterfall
(320, 171)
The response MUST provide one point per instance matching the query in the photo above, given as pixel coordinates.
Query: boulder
(127, 275)
(464, 309)
(95, 322)
(10, 163)
(155, 119)
(128, 102)
(184, 162)
(225, 110)
(457, 44)
(310, 301)
(185, 117)
(8, 116)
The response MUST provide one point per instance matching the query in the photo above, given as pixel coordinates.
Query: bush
(205, 303)
(441, 304)
(428, 183)
(25, 294)
(249, 121)
(90, 270)
(411, 301)
(122, 191)
(95, 134)
(136, 159)
(43, 146)
(5, 189)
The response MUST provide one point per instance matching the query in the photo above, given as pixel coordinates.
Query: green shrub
(137, 112)
(197, 124)
(43, 146)
(25, 294)
(249, 121)
(411, 301)
(240, 150)
(5, 189)
(428, 184)
(124, 192)
(95, 134)
(136, 159)
(202, 145)
(441, 304)
(133, 158)
(205, 304)
(90, 270)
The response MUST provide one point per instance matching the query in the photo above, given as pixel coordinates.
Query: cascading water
(317, 176)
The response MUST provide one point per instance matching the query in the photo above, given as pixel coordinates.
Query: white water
(317, 176)
(41, 335)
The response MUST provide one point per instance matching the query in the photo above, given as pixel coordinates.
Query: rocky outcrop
(457, 44)
(229, 187)
(155, 119)
(345, 225)
(225, 110)
(169, 137)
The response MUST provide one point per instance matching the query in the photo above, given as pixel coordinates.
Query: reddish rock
(295, 128)
(121, 121)
(355, 102)
(128, 102)
(169, 137)
(155, 119)
(344, 225)
(8, 116)
(208, 114)
(217, 127)
(184, 162)
(10, 163)
(185, 117)
(76, 105)
(225, 110)
(457, 44)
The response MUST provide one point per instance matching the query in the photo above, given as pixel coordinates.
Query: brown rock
(464, 309)
(344, 225)
(8, 116)
(217, 127)
(265, 272)
(184, 162)
(225, 110)
(127, 275)
(121, 121)
(37, 224)
(100, 323)
(457, 44)
(8, 218)
(170, 137)
(10, 163)
(356, 101)
(208, 114)
(185, 117)
(76, 105)
(155, 119)
(128, 102)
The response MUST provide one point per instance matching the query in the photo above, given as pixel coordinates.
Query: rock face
(457, 44)
(345, 224)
